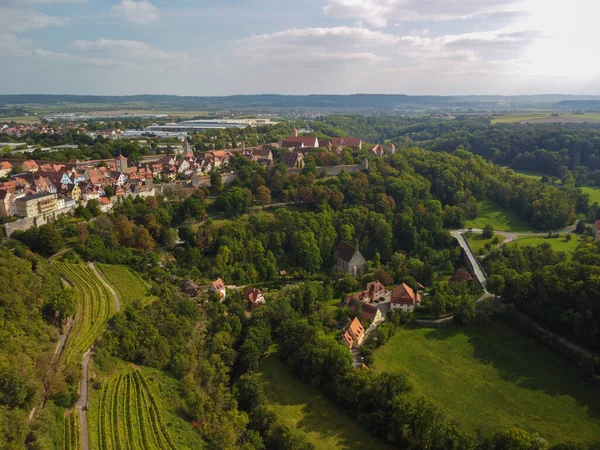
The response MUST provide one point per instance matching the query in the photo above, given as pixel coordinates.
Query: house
(349, 259)
(378, 150)
(300, 142)
(374, 291)
(30, 166)
(372, 313)
(5, 169)
(190, 288)
(341, 142)
(34, 205)
(404, 298)
(105, 204)
(461, 275)
(218, 287)
(353, 334)
(254, 296)
(294, 160)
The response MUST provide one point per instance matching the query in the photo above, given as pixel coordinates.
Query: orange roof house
(218, 287)
(405, 298)
(353, 334)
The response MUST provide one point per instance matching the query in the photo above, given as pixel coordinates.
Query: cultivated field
(72, 436)
(546, 118)
(300, 406)
(593, 192)
(134, 410)
(559, 244)
(487, 377)
(501, 219)
(94, 307)
(129, 286)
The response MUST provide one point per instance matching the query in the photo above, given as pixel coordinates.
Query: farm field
(478, 242)
(546, 118)
(502, 219)
(129, 286)
(593, 192)
(300, 406)
(127, 412)
(72, 436)
(487, 377)
(94, 307)
(559, 244)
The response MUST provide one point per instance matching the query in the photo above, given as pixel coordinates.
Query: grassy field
(593, 192)
(94, 307)
(477, 241)
(512, 118)
(530, 174)
(136, 408)
(501, 219)
(305, 408)
(558, 244)
(129, 286)
(488, 377)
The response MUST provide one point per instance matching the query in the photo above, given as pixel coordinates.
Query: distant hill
(320, 102)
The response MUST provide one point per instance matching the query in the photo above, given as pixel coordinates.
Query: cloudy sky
(222, 47)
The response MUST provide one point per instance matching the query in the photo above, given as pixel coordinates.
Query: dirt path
(106, 285)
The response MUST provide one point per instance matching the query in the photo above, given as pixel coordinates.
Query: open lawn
(559, 244)
(487, 377)
(593, 192)
(501, 219)
(477, 241)
(305, 408)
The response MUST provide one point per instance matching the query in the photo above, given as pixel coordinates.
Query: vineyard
(129, 286)
(129, 417)
(94, 308)
(72, 438)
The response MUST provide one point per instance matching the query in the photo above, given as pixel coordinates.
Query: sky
(225, 47)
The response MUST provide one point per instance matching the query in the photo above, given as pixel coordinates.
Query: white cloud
(18, 20)
(380, 12)
(141, 11)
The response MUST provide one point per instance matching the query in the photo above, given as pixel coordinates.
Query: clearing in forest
(502, 219)
(94, 307)
(129, 286)
(303, 407)
(559, 244)
(487, 377)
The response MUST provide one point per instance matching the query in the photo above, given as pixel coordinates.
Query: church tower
(121, 164)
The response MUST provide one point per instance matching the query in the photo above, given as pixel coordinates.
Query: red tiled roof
(404, 295)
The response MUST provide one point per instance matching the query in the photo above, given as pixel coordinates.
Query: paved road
(479, 273)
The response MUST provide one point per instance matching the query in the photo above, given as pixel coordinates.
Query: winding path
(82, 403)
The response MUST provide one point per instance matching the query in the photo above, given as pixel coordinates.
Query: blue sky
(222, 47)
